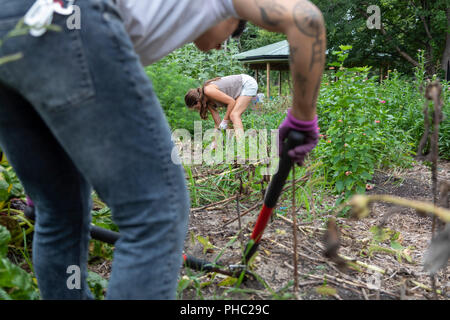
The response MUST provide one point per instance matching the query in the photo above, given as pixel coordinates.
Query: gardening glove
(30, 202)
(309, 129)
(438, 253)
(224, 124)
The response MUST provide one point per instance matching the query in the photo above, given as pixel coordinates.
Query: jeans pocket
(53, 72)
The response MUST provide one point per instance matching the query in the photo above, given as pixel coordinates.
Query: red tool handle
(273, 192)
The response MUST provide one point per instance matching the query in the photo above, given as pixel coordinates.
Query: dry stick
(299, 253)
(338, 281)
(230, 171)
(364, 294)
(444, 202)
(362, 264)
(241, 215)
(420, 285)
(301, 225)
(259, 203)
(239, 211)
(214, 204)
(294, 229)
(433, 92)
(360, 202)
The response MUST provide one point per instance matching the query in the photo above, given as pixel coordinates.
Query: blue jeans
(77, 113)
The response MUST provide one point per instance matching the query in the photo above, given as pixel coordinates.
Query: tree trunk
(389, 39)
(446, 55)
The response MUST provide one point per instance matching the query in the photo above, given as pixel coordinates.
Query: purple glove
(309, 128)
(30, 202)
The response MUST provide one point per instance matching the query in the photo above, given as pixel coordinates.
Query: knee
(235, 116)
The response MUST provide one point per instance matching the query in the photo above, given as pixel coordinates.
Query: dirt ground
(378, 274)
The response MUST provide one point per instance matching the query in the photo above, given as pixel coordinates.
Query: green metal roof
(273, 52)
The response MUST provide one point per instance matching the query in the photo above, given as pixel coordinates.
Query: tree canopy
(405, 27)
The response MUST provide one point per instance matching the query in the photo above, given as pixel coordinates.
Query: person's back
(172, 23)
(230, 85)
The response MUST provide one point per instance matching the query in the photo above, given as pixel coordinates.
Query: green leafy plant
(97, 284)
(203, 66)
(15, 283)
(395, 248)
(359, 131)
(171, 86)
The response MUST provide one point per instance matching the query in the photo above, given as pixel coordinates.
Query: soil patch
(382, 272)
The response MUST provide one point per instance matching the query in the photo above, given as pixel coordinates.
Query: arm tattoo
(271, 12)
(302, 81)
(307, 20)
(292, 53)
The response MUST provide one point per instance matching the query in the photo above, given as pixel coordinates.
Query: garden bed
(318, 277)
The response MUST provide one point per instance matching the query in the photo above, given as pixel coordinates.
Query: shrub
(203, 66)
(170, 86)
(360, 133)
(15, 283)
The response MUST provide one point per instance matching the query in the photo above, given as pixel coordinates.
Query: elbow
(309, 21)
(206, 44)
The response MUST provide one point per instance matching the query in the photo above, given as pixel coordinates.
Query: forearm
(216, 117)
(230, 108)
(303, 24)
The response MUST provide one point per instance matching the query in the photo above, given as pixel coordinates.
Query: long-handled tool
(270, 200)
(111, 237)
(272, 194)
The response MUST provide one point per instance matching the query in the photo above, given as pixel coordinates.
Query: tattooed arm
(304, 26)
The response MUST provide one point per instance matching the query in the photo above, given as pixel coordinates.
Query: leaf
(5, 237)
(4, 190)
(97, 284)
(345, 48)
(396, 245)
(11, 58)
(183, 284)
(339, 186)
(381, 235)
(4, 295)
(13, 277)
(406, 254)
(228, 282)
(326, 290)
(207, 246)
(13, 227)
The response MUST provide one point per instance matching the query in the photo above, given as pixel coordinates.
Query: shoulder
(210, 88)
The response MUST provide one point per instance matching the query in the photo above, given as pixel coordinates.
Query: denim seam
(85, 206)
(87, 89)
(8, 21)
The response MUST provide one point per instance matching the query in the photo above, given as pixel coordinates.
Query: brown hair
(194, 95)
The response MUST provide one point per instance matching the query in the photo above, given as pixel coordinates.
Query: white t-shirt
(157, 27)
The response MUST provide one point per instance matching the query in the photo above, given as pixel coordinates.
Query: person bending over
(232, 92)
(77, 96)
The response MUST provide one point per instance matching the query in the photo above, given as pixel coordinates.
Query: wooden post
(268, 80)
(256, 75)
(448, 71)
(279, 83)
